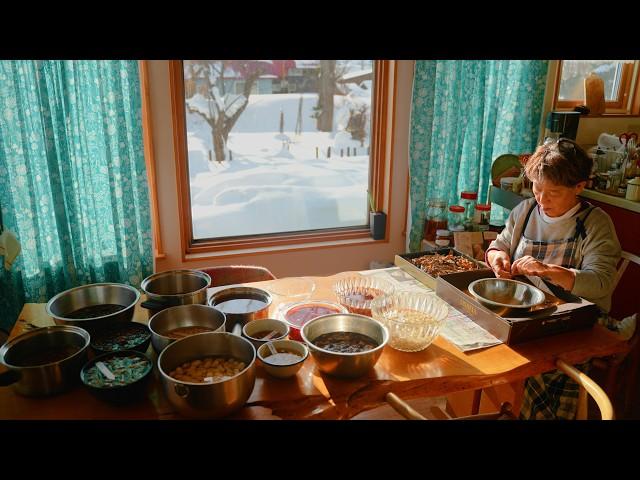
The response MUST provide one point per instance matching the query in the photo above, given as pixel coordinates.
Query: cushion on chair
(232, 274)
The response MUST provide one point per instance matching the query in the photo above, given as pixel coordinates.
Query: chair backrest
(233, 274)
(587, 387)
(625, 258)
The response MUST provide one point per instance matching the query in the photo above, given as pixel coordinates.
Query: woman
(566, 246)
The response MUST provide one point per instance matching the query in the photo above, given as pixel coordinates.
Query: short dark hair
(563, 162)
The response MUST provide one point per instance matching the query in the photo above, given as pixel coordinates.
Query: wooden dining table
(439, 370)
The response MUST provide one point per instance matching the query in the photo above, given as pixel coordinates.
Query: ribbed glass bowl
(413, 319)
(355, 292)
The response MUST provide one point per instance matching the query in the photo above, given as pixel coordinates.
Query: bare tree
(219, 108)
(330, 72)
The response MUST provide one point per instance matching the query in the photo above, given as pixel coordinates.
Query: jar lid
(483, 206)
(457, 228)
(442, 233)
(469, 195)
(456, 208)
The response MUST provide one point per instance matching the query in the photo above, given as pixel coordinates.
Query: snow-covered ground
(274, 182)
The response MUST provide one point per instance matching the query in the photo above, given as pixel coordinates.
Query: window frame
(627, 103)
(383, 99)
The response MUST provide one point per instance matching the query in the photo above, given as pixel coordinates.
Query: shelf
(611, 200)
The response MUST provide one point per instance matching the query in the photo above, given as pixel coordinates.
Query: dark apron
(556, 252)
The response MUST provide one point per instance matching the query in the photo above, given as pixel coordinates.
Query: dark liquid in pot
(345, 342)
(94, 311)
(48, 355)
(241, 305)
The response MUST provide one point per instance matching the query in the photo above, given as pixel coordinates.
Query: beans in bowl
(345, 342)
(208, 370)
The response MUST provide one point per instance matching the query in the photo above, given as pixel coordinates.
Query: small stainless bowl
(263, 325)
(193, 315)
(498, 293)
(347, 365)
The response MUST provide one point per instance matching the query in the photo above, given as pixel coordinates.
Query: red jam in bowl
(299, 314)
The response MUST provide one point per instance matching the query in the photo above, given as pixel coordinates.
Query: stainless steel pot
(173, 288)
(183, 316)
(241, 305)
(208, 400)
(33, 376)
(93, 295)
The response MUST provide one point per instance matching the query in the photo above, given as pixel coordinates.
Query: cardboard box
(560, 317)
(473, 244)
(404, 262)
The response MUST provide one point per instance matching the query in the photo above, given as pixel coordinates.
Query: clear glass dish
(356, 292)
(413, 319)
(292, 289)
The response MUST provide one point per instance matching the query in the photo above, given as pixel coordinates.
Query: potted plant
(377, 220)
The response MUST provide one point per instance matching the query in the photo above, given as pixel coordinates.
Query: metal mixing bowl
(94, 294)
(506, 293)
(193, 315)
(347, 365)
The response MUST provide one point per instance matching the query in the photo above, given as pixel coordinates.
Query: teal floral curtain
(73, 182)
(464, 115)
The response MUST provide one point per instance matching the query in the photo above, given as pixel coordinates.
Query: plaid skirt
(553, 395)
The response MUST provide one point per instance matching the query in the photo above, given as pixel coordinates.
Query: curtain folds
(73, 182)
(464, 115)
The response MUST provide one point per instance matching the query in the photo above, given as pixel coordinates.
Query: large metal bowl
(505, 293)
(194, 315)
(347, 365)
(208, 400)
(241, 305)
(94, 294)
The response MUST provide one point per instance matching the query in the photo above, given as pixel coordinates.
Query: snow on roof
(307, 63)
(359, 73)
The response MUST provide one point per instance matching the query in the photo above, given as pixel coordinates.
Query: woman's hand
(499, 263)
(528, 265)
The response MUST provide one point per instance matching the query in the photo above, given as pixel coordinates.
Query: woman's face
(555, 200)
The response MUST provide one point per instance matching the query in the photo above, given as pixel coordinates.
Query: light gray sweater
(596, 256)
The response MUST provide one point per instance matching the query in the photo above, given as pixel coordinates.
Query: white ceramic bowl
(289, 369)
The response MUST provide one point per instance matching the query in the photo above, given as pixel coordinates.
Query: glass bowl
(298, 313)
(357, 292)
(295, 289)
(413, 319)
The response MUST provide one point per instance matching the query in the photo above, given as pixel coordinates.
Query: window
(620, 82)
(262, 161)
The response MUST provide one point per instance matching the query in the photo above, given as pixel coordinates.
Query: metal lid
(442, 233)
(469, 195)
(483, 206)
(456, 208)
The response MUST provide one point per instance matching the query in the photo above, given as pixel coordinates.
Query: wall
(320, 259)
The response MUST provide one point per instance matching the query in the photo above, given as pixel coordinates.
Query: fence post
(328, 152)
(316, 152)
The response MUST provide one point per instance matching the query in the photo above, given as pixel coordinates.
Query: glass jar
(443, 238)
(456, 218)
(482, 217)
(436, 218)
(468, 200)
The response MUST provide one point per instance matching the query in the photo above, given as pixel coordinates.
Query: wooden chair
(232, 274)
(626, 362)
(587, 387)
